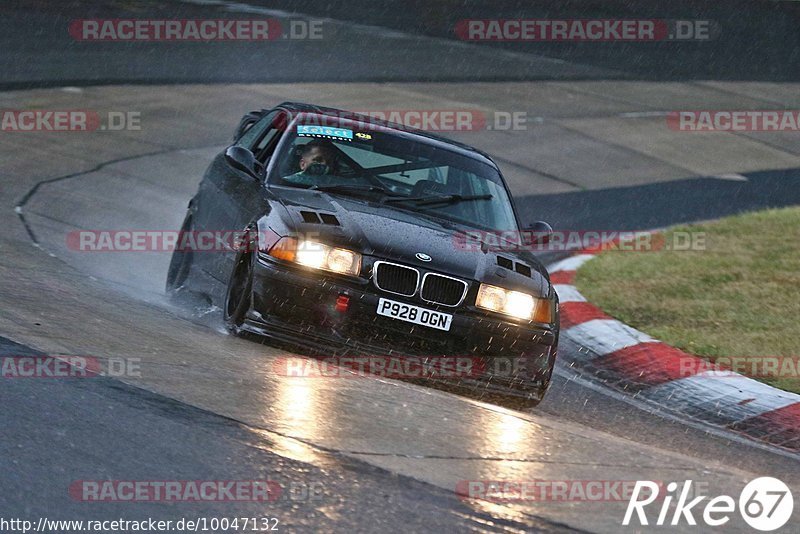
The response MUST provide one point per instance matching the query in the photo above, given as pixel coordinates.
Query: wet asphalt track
(206, 406)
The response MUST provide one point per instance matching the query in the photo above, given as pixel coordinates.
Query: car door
(204, 207)
(240, 198)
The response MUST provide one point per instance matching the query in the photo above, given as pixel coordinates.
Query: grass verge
(739, 297)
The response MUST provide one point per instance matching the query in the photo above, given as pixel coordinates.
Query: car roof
(301, 107)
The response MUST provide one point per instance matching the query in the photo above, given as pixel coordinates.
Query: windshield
(397, 169)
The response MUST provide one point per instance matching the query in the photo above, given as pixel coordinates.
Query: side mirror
(243, 160)
(540, 233)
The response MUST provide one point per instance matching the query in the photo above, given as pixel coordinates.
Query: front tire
(180, 265)
(238, 297)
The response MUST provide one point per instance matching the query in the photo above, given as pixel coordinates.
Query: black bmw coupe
(353, 242)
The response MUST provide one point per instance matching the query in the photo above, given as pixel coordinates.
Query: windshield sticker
(305, 130)
(364, 136)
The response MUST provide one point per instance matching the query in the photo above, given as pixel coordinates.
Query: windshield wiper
(351, 188)
(439, 199)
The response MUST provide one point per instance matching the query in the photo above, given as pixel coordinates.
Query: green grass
(738, 297)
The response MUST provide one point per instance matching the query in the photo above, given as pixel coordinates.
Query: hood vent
(521, 268)
(505, 263)
(312, 217)
(328, 218)
(524, 270)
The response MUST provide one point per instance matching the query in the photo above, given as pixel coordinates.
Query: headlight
(317, 256)
(514, 303)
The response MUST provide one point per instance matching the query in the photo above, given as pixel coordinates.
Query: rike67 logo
(766, 504)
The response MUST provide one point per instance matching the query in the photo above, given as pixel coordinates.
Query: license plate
(414, 314)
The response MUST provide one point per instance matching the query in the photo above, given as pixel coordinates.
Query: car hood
(399, 235)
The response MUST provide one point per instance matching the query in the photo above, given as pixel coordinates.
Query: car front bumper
(299, 306)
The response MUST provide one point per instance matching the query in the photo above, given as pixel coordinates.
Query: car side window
(263, 150)
(266, 144)
(256, 131)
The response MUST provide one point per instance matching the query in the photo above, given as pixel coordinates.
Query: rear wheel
(239, 294)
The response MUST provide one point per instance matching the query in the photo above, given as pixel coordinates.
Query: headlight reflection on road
(508, 431)
(506, 441)
(506, 437)
(295, 400)
(510, 442)
(296, 408)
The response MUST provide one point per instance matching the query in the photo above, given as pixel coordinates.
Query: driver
(317, 163)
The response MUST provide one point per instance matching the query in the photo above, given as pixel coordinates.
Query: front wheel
(238, 297)
(181, 263)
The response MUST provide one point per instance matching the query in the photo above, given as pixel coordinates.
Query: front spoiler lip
(328, 345)
(332, 346)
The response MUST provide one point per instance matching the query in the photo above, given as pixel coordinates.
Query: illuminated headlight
(514, 303)
(317, 256)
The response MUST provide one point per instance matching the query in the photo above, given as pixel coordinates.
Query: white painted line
(568, 293)
(236, 7)
(573, 263)
(643, 114)
(733, 177)
(721, 396)
(604, 336)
